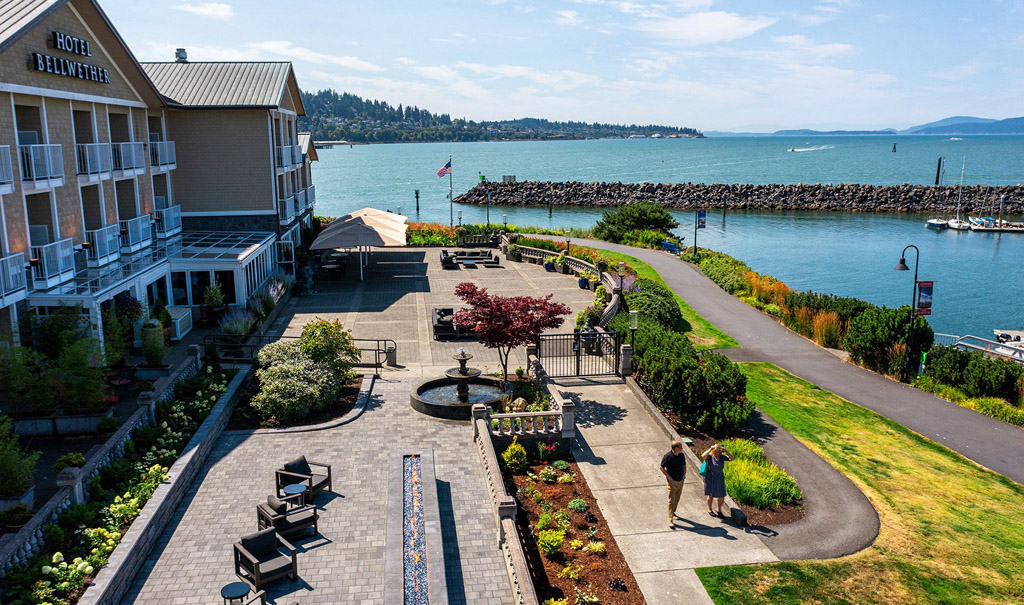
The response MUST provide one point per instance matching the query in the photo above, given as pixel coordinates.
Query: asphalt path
(991, 443)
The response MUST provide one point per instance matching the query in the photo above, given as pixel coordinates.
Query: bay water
(979, 278)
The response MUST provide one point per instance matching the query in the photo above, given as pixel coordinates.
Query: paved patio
(193, 558)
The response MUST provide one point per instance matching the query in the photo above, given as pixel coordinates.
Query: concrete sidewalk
(618, 449)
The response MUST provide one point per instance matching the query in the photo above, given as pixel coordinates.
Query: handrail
(163, 153)
(53, 259)
(93, 158)
(12, 274)
(128, 156)
(991, 347)
(286, 208)
(6, 168)
(254, 343)
(103, 242)
(136, 231)
(41, 162)
(168, 219)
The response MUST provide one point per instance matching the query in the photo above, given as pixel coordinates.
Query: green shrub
(24, 387)
(729, 273)
(546, 521)
(827, 330)
(596, 548)
(600, 293)
(591, 314)
(213, 296)
(78, 379)
(52, 334)
(999, 409)
(992, 377)
(153, 348)
(872, 334)
(550, 541)
(282, 351)
(577, 505)
(115, 338)
(16, 515)
(16, 466)
(160, 312)
(327, 341)
(238, 322)
(71, 459)
(845, 307)
(745, 449)
(655, 301)
(759, 485)
(773, 310)
(561, 465)
(292, 390)
(570, 571)
(514, 457)
(616, 224)
(547, 475)
(645, 238)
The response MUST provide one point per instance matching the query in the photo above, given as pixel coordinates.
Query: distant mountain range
(952, 125)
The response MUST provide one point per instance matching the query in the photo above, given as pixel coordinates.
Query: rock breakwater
(977, 199)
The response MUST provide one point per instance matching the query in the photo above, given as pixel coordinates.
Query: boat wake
(955, 139)
(815, 148)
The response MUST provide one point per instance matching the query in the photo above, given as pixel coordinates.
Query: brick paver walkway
(345, 564)
(193, 558)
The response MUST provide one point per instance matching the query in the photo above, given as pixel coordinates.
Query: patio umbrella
(380, 213)
(356, 234)
(395, 229)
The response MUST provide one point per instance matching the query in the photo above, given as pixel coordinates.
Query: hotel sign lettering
(70, 67)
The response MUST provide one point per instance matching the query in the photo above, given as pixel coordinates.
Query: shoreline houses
(147, 179)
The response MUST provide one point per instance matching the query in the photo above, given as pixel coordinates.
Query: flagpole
(451, 202)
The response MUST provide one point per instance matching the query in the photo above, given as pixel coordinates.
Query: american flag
(446, 169)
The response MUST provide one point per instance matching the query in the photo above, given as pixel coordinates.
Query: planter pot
(549, 266)
(213, 314)
(76, 425)
(583, 283)
(592, 285)
(152, 372)
(28, 499)
(516, 258)
(565, 269)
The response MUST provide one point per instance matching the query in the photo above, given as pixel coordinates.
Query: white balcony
(94, 161)
(311, 196)
(42, 166)
(6, 170)
(296, 155)
(168, 221)
(136, 233)
(288, 156)
(286, 210)
(53, 264)
(103, 246)
(129, 159)
(13, 283)
(162, 156)
(300, 201)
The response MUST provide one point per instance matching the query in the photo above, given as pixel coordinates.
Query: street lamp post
(622, 273)
(634, 318)
(504, 220)
(902, 266)
(567, 248)
(460, 218)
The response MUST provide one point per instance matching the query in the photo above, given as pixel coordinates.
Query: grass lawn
(950, 530)
(703, 334)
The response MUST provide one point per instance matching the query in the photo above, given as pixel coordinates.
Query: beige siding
(69, 205)
(15, 66)
(224, 160)
(14, 205)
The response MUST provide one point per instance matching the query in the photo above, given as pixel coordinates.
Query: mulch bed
(755, 516)
(245, 418)
(597, 570)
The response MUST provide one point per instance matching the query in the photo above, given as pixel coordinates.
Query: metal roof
(221, 83)
(306, 144)
(15, 15)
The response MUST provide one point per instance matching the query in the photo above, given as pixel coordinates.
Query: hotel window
(226, 279)
(179, 287)
(200, 281)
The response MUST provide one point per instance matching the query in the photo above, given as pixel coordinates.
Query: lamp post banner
(702, 217)
(924, 297)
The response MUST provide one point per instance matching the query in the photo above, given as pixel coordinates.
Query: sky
(707, 64)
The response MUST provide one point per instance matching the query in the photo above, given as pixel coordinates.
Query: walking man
(673, 466)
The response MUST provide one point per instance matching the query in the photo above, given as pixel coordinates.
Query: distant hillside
(830, 133)
(1007, 126)
(947, 122)
(334, 116)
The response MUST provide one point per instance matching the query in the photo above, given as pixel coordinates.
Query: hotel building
(151, 179)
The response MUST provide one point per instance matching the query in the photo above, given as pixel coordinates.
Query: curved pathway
(988, 442)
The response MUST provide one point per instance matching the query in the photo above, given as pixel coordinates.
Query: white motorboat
(937, 223)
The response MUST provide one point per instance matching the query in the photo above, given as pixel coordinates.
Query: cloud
(825, 11)
(712, 27)
(806, 46)
(213, 10)
(958, 73)
(286, 49)
(405, 61)
(454, 81)
(567, 18)
(556, 80)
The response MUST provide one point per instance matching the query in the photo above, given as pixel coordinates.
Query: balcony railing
(136, 233)
(93, 159)
(311, 196)
(129, 156)
(162, 155)
(286, 210)
(104, 245)
(284, 156)
(168, 221)
(6, 170)
(296, 155)
(53, 263)
(12, 278)
(300, 201)
(42, 164)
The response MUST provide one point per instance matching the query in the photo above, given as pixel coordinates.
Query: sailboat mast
(960, 192)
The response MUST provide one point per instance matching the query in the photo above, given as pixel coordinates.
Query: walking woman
(715, 458)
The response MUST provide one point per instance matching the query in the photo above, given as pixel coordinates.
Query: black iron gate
(580, 354)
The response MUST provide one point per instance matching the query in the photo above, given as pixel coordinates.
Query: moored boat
(937, 223)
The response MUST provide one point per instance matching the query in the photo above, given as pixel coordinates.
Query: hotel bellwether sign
(70, 68)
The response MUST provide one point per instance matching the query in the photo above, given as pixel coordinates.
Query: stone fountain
(454, 395)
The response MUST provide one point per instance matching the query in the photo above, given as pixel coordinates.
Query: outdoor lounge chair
(286, 515)
(441, 320)
(448, 261)
(259, 558)
(300, 471)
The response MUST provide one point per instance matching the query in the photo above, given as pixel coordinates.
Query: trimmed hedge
(655, 301)
(976, 375)
(874, 336)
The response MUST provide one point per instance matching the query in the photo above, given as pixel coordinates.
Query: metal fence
(580, 354)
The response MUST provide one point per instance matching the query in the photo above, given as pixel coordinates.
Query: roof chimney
(180, 55)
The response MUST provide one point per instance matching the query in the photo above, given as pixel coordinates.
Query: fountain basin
(438, 397)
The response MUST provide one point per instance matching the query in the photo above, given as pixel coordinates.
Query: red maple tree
(503, 323)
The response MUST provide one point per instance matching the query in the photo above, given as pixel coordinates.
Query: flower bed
(85, 535)
(572, 555)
